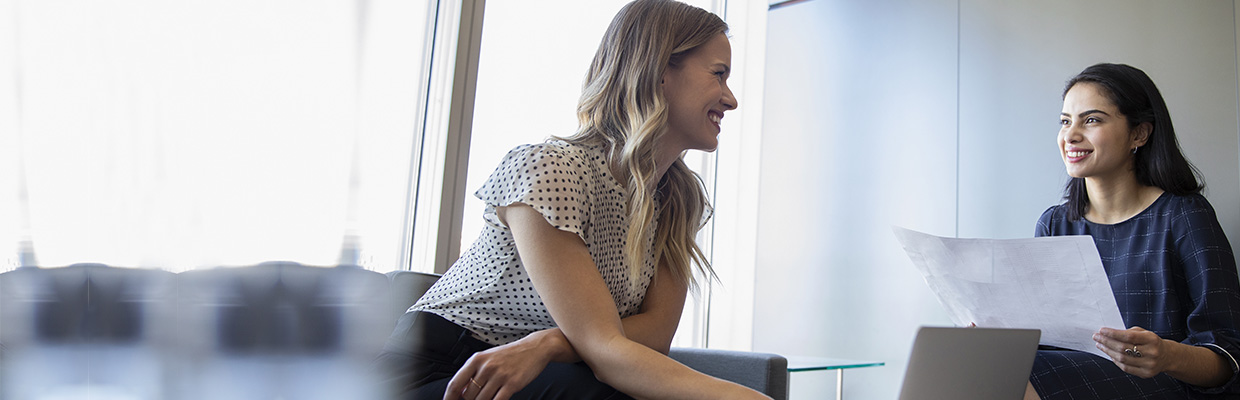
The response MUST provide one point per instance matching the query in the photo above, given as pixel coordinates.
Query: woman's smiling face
(697, 95)
(1094, 137)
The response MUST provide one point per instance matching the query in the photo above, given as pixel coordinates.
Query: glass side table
(802, 364)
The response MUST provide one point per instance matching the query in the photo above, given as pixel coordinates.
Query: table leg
(839, 384)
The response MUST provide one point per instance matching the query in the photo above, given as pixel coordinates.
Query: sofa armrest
(764, 372)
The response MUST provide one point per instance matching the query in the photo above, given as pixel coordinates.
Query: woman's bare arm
(653, 326)
(571, 287)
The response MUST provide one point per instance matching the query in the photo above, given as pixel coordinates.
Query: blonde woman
(576, 284)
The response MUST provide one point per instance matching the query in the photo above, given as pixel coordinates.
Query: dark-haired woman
(1170, 266)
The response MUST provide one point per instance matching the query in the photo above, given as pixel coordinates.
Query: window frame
(439, 174)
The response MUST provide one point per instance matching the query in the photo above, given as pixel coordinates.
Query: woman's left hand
(1135, 350)
(501, 371)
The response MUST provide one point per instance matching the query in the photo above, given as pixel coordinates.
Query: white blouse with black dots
(487, 290)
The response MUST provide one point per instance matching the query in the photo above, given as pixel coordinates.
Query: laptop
(969, 363)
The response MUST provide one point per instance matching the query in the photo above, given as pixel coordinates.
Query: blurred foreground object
(274, 330)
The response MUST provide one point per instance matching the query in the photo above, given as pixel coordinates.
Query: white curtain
(183, 134)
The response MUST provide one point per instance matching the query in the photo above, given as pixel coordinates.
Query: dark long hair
(1159, 162)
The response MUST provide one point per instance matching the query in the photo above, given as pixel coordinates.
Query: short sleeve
(544, 176)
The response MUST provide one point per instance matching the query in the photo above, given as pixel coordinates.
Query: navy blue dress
(1173, 273)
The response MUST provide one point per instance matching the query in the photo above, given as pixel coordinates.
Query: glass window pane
(185, 134)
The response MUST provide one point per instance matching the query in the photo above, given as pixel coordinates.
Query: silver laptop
(969, 363)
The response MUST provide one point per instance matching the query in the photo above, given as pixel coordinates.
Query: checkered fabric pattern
(1172, 272)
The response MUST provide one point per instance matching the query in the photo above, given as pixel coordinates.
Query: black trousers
(425, 351)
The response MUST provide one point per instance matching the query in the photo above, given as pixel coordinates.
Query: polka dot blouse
(487, 290)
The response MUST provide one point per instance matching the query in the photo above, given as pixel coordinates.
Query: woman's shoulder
(1053, 217)
(558, 151)
(1191, 208)
(1185, 202)
(1056, 212)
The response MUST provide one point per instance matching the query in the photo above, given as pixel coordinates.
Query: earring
(1134, 150)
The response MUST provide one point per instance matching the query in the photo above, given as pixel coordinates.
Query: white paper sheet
(1055, 284)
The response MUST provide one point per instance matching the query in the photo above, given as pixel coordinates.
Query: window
(179, 135)
(191, 134)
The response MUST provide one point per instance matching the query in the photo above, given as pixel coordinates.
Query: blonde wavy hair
(622, 107)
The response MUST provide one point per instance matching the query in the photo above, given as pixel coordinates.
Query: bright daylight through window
(180, 135)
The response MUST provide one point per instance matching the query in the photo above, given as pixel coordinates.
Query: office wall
(1014, 60)
(941, 116)
(859, 133)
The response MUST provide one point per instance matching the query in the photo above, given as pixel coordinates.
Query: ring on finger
(1133, 351)
(475, 383)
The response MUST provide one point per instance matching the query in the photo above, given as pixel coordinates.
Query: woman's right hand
(501, 371)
